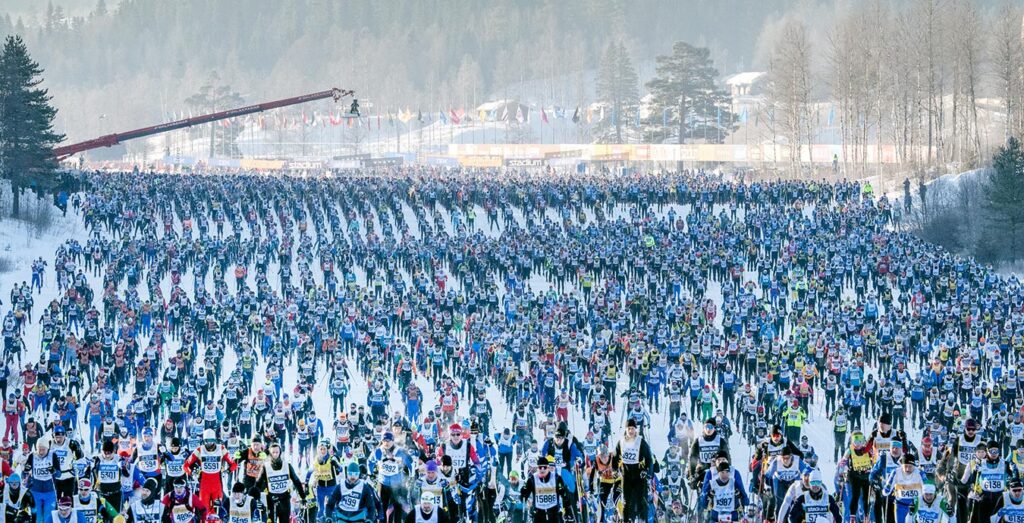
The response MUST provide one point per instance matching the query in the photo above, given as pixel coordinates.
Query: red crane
(113, 139)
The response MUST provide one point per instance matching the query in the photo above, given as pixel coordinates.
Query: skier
(241, 507)
(548, 493)
(274, 481)
(815, 503)
(722, 493)
(146, 508)
(426, 512)
(635, 462)
(210, 458)
(354, 500)
(181, 506)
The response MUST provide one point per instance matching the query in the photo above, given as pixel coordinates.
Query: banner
(304, 165)
(390, 161)
(569, 153)
(524, 162)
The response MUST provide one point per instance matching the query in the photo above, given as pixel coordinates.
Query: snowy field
(19, 246)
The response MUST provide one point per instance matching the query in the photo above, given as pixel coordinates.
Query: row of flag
(282, 120)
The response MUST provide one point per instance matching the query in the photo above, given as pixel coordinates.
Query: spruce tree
(27, 137)
(1004, 196)
(617, 86)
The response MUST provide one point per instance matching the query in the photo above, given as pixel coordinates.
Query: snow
(19, 244)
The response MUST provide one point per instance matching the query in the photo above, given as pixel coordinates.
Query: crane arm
(113, 139)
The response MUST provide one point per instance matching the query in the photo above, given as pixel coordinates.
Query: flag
(483, 115)
(743, 115)
(637, 118)
(263, 123)
(420, 117)
(719, 117)
(406, 116)
(336, 118)
(601, 118)
(831, 115)
(504, 113)
(378, 121)
(615, 115)
(543, 115)
(559, 113)
(391, 119)
(454, 117)
(664, 117)
(576, 115)
(590, 114)
(441, 117)
(519, 114)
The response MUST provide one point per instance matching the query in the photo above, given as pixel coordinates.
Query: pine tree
(687, 97)
(617, 86)
(27, 137)
(1004, 196)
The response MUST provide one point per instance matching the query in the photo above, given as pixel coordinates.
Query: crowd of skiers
(365, 347)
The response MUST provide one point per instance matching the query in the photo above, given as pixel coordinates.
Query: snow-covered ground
(19, 245)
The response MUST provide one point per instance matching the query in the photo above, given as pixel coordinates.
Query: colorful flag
(590, 114)
(455, 119)
(543, 115)
(504, 113)
(743, 115)
(519, 114)
(442, 118)
(719, 118)
(831, 115)
(637, 124)
(483, 115)
(601, 117)
(559, 113)
(576, 115)
(420, 117)
(664, 117)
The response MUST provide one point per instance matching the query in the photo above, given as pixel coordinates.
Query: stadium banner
(524, 162)
(389, 161)
(304, 165)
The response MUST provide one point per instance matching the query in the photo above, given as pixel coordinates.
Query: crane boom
(113, 139)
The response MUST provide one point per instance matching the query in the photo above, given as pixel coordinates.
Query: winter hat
(352, 469)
